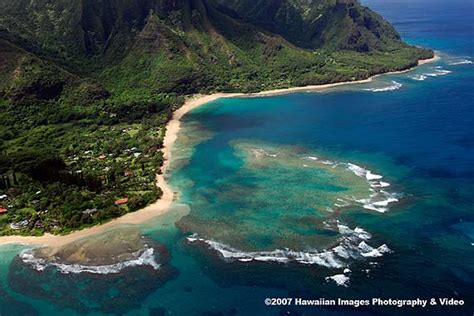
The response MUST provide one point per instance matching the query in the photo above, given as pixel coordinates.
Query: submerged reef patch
(111, 272)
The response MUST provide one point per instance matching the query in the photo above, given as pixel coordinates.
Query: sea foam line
(378, 200)
(145, 258)
(395, 86)
(419, 77)
(438, 71)
(461, 62)
(352, 245)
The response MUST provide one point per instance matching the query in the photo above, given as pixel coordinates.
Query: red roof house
(3, 210)
(121, 201)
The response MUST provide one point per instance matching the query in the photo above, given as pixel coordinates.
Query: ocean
(346, 196)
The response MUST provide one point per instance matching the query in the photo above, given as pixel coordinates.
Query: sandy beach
(429, 60)
(172, 130)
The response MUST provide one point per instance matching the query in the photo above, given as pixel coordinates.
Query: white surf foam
(145, 258)
(340, 279)
(379, 199)
(419, 77)
(362, 172)
(371, 252)
(439, 72)
(461, 62)
(327, 162)
(395, 86)
(324, 162)
(325, 258)
(384, 184)
(357, 170)
(260, 152)
(351, 245)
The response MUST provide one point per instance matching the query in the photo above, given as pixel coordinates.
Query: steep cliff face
(335, 24)
(64, 28)
(76, 30)
(87, 27)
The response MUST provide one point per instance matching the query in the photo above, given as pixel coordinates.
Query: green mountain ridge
(337, 24)
(222, 45)
(87, 86)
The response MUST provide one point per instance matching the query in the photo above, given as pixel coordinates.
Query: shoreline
(172, 130)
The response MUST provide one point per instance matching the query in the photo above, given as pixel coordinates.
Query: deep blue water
(242, 169)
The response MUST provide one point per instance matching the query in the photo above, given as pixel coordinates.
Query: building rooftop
(121, 201)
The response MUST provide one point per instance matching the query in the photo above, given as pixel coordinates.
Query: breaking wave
(461, 62)
(438, 71)
(141, 258)
(419, 77)
(352, 245)
(395, 86)
(379, 198)
(340, 279)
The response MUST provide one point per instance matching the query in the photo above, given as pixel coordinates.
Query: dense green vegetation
(86, 87)
(58, 161)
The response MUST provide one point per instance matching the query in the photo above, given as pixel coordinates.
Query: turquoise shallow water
(272, 203)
